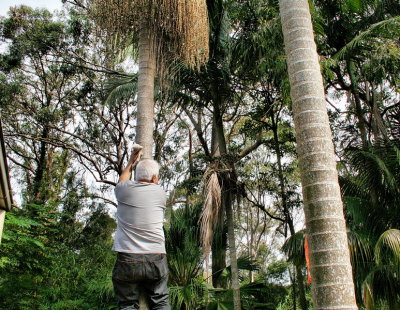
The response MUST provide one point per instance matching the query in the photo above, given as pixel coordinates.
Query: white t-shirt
(140, 217)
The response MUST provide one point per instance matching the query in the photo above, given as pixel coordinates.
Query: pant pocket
(125, 271)
(161, 268)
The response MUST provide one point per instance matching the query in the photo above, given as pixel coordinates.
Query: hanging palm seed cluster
(179, 27)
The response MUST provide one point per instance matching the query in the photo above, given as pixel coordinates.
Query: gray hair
(146, 169)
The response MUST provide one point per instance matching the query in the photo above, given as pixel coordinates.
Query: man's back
(140, 216)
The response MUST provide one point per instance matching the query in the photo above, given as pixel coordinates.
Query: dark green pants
(135, 272)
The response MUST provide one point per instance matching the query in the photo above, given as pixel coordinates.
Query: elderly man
(139, 239)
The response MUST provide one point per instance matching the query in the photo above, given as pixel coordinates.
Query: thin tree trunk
(299, 275)
(302, 291)
(145, 105)
(332, 284)
(226, 188)
(218, 260)
(219, 242)
(38, 180)
(232, 248)
(293, 279)
(357, 104)
(228, 183)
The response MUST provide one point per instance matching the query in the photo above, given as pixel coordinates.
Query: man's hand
(133, 160)
(136, 154)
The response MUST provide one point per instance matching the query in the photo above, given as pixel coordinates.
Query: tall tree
(165, 29)
(162, 27)
(330, 260)
(38, 86)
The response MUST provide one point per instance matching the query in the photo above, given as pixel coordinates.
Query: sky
(51, 5)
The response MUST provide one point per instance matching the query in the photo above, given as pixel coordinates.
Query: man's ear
(154, 179)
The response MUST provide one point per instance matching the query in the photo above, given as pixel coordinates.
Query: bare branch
(252, 147)
(197, 127)
(262, 207)
(20, 165)
(103, 198)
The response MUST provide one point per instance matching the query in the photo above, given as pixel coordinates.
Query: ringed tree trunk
(145, 108)
(145, 101)
(332, 284)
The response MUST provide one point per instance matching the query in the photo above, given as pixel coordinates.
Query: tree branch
(252, 147)
(198, 131)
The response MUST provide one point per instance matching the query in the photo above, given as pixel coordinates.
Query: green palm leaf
(294, 248)
(360, 248)
(384, 30)
(387, 248)
(382, 283)
(120, 89)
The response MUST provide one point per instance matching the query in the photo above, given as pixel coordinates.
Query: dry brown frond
(211, 208)
(180, 27)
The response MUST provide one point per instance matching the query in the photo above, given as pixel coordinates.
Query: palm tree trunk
(220, 231)
(293, 279)
(145, 104)
(332, 285)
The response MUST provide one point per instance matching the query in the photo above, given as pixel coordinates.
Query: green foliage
(185, 260)
(372, 203)
(254, 296)
(294, 248)
(287, 302)
(192, 295)
(49, 259)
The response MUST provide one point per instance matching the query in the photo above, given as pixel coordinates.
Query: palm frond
(383, 284)
(388, 27)
(120, 89)
(384, 170)
(360, 248)
(183, 245)
(387, 248)
(368, 296)
(377, 169)
(294, 248)
(247, 263)
(189, 296)
(372, 195)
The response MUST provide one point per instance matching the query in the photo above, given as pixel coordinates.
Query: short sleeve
(121, 186)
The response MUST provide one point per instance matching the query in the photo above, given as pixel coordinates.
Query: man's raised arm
(133, 160)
